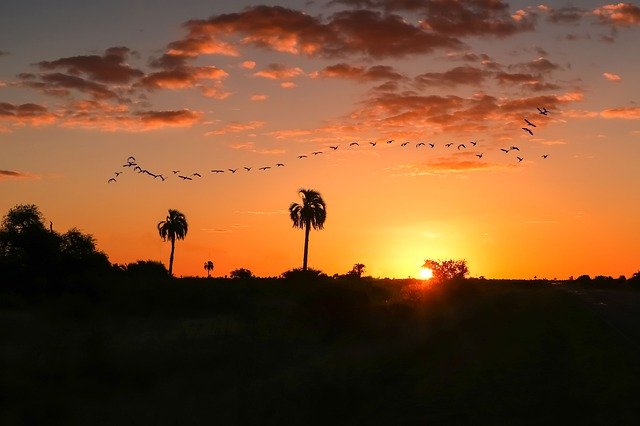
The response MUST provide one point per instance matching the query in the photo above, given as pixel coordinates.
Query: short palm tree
(208, 266)
(173, 227)
(311, 213)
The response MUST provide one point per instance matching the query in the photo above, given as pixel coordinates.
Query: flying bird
(247, 168)
(448, 145)
(354, 143)
(233, 170)
(504, 150)
(217, 171)
(279, 165)
(529, 123)
(461, 145)
(545, 156)
(117, 173)
(131, 159)
(112, 180)
(317, 152)
(184, 177)
(196, 174)
(373, 143)
(302, 156)
(159, 176)
(432, 145)
(543, 111)
(404, 144)
(515, 148)
(526, 129)
(129, 165)
(420, 144)
(265, 168)
(334, 147)
(520, 159)
(137, 169)
(479, 155)
(391, 141)
(175, 172)
(474, 143)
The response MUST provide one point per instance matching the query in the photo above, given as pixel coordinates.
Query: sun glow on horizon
(426, 274)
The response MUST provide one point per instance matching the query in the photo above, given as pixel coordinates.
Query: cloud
(288, 85)
(618, 15)
(58, 84)
(346, 71)
(452, 77)
(251, 147)
(236, 128)
(350, 32)
(564, 15)
(108, 68)
(259, 97)
(249, 65)
(628, 113)
(183, 77)
(13, 175)
(29, 113)
(443, 166)
(279, 72)
(104, 117)
(612, 77)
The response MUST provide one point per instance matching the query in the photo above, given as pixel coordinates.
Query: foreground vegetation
(135, 350)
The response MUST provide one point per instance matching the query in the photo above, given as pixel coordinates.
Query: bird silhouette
(137, 169)
(159, 176)
(279, 165)
(131, 159)
(334, 147)
(175, 172)
(504, 150)
(184, 177)
(129, 165)
(461, 145)
(479, 155)
(545, 155)
(474, 143)
(515, 148)
(520, 159)
(432, 145)
(543, 111)
(233, 170)
(317, 152)
(448, 145)
(196, 174)
(117, 173)
(265, 168)
(247, 168)
(404, 144)
(373, 143)
(149, 173)
(420, 144)
(302, 156)
(354, 143)
(390, 141)
(527, 130)
(529, 123)
(112, 180)
(217, 171)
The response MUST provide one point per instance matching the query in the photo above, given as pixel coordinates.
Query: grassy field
(267, 351)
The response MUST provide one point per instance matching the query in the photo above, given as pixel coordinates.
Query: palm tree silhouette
(311, 213)
(208, 266)
(173, 227)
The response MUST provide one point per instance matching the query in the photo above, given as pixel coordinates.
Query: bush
(298, 274)
(241, 274)
(447, 270)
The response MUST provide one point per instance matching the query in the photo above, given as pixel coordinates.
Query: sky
(193, 86)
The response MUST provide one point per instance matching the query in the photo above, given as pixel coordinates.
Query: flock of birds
(132, 164)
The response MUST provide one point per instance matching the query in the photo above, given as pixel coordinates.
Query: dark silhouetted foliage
(299, 274)
(312, 213)
(173, 228)
(147, 269)
(208, 266)
(241, 274)
(447, 270)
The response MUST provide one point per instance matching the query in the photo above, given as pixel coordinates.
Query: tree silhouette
(358, 269)
(241, 273)
(447, 270)
(173, 227)
(208, 266)
(311, 213)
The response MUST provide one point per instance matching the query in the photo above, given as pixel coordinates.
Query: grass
(266, 351)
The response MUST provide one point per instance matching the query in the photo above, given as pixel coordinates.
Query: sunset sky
(195, 85)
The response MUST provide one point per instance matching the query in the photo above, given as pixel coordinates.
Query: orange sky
(192, 86)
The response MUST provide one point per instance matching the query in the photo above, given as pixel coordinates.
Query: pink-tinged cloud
(184, 77)
(31, 114)
(248, 65)
(288, 85)
(58, 84)
(351, 32)
(620, 15)
(236, 128)
(443, 166)
(126, 121)
(108, 68)
(627, 113)
(258, 97)
(453, 77)
(346, 71)
(201, 45)
(279, 72)
(612, 77)
(13, 175)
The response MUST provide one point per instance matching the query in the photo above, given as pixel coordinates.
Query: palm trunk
(173, 246)
(307, 228)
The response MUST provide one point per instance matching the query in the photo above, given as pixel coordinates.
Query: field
(270, 351)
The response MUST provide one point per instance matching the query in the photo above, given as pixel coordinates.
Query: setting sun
(426, 273)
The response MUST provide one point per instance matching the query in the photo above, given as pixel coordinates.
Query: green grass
(347, 352)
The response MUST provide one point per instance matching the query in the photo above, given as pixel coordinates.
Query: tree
(447, 270)
(173, 227)
(208, 266)
(357, 270)
(241, 273)
(311, 213)
(22, 218)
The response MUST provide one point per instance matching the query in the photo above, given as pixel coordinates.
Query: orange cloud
(628, 113)
(131, 122)
(249, 65)
(13, 175)
(443, 166)
(183, 77)
(612, 77)
(279, 72)
(259, 97)
(288, 85)
(236, 128)
(621, 14)
(453, 77)
(32, 114)
(343, 70)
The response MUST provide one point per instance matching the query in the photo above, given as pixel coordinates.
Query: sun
(426, 273)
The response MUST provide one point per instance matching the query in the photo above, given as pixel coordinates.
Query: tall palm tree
(173, 227)
(208, 266)
(311, 213)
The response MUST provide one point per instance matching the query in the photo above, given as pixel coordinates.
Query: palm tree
(311, 213)
(173, 227)
(208, 266)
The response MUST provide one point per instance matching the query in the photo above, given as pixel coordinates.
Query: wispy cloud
(14, 175)
(236, 127)
(628, 113)
(612, 77)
